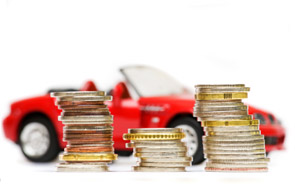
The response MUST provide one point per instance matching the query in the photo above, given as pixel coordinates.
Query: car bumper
(274, 137)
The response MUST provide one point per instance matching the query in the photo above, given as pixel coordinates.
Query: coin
(77, 93)
(86, 118)
(158, 169)
(222, 89)
(232, 128)
(160, 154)
(88, 157)
(84, 98)
(156, 145)
(87, 131)
(235, 156)
(158, 149)
(155, 130)
(153, 136)
(233, 152)
(231, 169)
(170, 164)
(219, 85)
(232, 141)
(230, 123)
(235, 133)
(165, 159)
(78, 167)
(221, 96)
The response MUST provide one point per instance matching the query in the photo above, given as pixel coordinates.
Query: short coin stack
(158, 149)
(233, 141)
(88, 130)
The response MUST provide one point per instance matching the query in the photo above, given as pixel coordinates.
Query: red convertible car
(147, 98)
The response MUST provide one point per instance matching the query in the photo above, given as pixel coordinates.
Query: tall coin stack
(233, 141)
(88, 130)
(158, 149)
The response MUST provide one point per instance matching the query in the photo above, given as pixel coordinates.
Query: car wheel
(193, 139)
(38, 140)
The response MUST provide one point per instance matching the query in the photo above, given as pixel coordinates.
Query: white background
(63, 43)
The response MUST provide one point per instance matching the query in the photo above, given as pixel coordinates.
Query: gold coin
(221, 96)
(88, 157)
(230, 123)
(153, 136)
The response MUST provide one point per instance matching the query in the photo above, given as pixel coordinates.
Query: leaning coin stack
(158, 149)
(88, 131)
(233, 141)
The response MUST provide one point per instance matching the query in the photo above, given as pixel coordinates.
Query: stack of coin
(158, 149)
(233, 141)
(88, 130)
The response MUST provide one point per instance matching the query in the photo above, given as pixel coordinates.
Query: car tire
(194, 143)
(38, 140)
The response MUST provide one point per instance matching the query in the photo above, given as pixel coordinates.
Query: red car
(148, 98)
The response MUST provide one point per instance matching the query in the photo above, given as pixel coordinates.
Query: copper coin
(84, 113)
(89, 149)
(88, 131)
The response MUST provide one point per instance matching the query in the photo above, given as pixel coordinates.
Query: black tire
(198, 157)
(53, 149)
(124, 153)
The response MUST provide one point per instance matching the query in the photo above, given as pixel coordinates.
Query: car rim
(35, 139)
(191, 138)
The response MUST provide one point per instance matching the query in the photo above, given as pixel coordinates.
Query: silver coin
(161, 154)
(233, 134)
(223, 113)
(156, 145)
(240, 161)
(232, 128)
(87, 122)
(221, 89)
(234, 143)
(234, 152)
(228, 117)
(234, 157)
(82, 167)
(159, 169)
(166, 164)
(236, 165)
(236, 138)
(216, 109)
(77, 93)
(84, 98)
(165, 159)
(152, 149)
(86, 118)
(219, 85)
(234, 147)
(155, 130)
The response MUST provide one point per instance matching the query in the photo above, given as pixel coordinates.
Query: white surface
(45, 44)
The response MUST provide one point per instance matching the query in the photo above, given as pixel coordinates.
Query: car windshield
(149, 82)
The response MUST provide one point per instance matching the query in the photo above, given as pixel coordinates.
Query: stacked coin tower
(233, 141)
(88, 130)
(158, 149)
